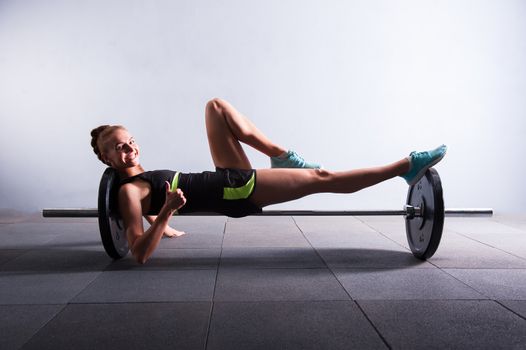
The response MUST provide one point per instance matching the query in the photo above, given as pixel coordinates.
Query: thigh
(275, 186)
(225, 148)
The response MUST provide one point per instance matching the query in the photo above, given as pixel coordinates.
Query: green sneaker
(291, 159)
(421, 161)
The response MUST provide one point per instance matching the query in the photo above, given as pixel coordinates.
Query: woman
(234, 189)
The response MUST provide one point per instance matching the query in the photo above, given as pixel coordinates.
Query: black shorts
(224, 191)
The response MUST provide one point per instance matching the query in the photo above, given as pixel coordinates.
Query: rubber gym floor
(265, 283)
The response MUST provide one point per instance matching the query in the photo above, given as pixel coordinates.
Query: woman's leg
(226, 128)
(282, 185)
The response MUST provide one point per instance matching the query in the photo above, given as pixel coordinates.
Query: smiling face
(119, 149)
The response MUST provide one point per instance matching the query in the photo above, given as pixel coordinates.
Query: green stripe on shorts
(243, 192)
(175, 182)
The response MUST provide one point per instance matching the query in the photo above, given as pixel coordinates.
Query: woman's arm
(143, 243)
(169, 232)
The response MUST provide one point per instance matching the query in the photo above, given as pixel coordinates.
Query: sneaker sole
(422, 172)
(274, 166)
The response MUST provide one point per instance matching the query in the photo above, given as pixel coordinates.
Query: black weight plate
(424, 233)
(110, 225)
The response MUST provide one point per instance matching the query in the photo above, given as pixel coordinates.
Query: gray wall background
(346, 83)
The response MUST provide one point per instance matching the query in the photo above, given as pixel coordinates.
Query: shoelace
(418, 155)
(297, 158)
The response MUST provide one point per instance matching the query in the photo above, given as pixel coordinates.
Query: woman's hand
(174, 200)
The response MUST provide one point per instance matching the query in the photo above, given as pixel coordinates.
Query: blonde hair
(99, 133)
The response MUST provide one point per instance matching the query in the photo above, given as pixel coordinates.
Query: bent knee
(215, 105)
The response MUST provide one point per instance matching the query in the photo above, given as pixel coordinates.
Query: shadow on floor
(272, 258)
(89, 260)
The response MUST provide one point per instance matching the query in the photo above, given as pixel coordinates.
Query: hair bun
(95, 134)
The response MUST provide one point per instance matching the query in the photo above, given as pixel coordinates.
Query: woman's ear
(105, 160)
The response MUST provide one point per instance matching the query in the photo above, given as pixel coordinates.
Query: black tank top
(156, 179)
(202, 190)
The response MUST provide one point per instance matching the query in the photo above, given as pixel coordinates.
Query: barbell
(424, 215)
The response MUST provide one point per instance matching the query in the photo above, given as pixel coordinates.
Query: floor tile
(394, 230)
(201, 232)
(12, 216)
(199, 224)
(345, 232)
(248, 258)
(517, 221)
(331, 224)
(371, 258)
(86, 238)
(260, 224)
(18, 323)
(277, 285)
(518, 306)
(403, 284)
(42, 287)
(150, 286)
(494, 283)
(291, 325)
(57, 261)
(350, 239)
(493, 233)
(480, 226)
(193, 240)
(126, 326)
(7, 255)
(28, 235)
(513, 243)
(261, 232)
(458, 251)
(69, 234)
(171, 259)
(446, 324)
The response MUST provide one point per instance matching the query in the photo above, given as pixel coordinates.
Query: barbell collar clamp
(411, 211)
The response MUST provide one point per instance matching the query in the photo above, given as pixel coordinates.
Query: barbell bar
(94, 213)
(424, 214)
